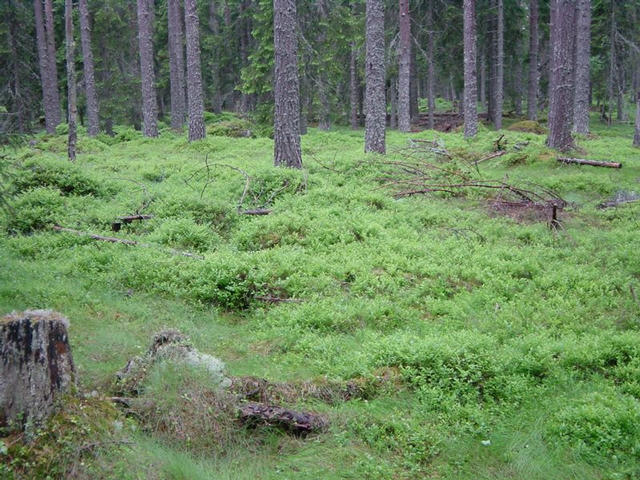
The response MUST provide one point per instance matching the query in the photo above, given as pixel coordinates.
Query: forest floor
(484, 344)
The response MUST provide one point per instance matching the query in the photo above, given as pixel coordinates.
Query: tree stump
(35, 366)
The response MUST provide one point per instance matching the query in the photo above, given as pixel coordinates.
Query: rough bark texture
(561, 74)
(194, 74)
(214, 28)
(499, 86)
(583, 58)
(49, 90)
(286, 89)
(72, 101)
(470, 74)
(89, 78)
(404, 68)
(147, 75)
(431, 76)
(375, 120)
(532, 87)
(36, 366)
(353, 87)
(413, 86)
(636, 137)
(292, 421)
(393, 103)
(51, 56)
(176, 64)
(612, 62)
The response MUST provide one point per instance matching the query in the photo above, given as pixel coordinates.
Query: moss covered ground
(506, 349)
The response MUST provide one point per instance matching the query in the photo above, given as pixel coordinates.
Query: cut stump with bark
(36, 366)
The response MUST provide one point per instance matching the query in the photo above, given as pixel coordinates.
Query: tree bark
(72, 102)
(147, 75)
(499, 90)
(194, 74)
(93, 125)
(470, 74)
(393, 103)
(413, 87)
(612, 62)
(36, 366)
(561, 74)
(431, 76)
(404, 68)
(636, 137)
(375, 120)
(354, 88)
(176, 64)
(583, 59)
(214, 28)
(286, 89)
(48, 100)
(51, 55)
(532, 93)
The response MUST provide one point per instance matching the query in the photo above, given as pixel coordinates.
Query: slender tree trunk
(404, 68)
(194, 75)
(393, 103)
(176, 64)
(612, 62)
(17, 100)
(532, 93)
(622, 115)
(517, 86)
(353, 87)
(214, 28)
(286, 90)
(72, 108)
(147, 75)
(48, 101)
(561, 74)
(413, 86)
(499, 92)
(89, 76)
(470, 75)
(375, 120)
(431, 76)
(636, 137)
(583, 59)
(483, 77)
(492, 55)
(51, 55)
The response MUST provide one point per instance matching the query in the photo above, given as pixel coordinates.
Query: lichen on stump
(35, 366)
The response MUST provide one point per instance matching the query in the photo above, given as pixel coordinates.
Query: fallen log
(257, 211)
(117, 225)
(292, 421)
(123, 241)
(593, 163)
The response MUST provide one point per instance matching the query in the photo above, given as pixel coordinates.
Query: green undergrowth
(515, 348)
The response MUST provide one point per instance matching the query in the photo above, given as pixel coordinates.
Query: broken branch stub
(36, 366)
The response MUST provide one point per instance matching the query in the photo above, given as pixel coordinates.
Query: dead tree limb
(256, 211)
(593, 163)
(489, 157)
(115, 226)
(299, 423)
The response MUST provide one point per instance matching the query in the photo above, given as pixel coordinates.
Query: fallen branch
(299, 423)
(123, 241)
(257, 211)
(593, 163)
(117, 225)
(489, 157)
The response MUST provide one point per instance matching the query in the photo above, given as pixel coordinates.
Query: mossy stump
(35, 366)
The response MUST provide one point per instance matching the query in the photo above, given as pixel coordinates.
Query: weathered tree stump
(35, 366)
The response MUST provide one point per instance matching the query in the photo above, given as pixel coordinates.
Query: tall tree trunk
(563, 13)
(89, 76)
(583, 58)
(470, 74)
(404, 68)
(286, 90)
(612, 62)
(51, 55)
(517, 85)
(431, 76)
(499, 91)
(245, 32)
(532, 89)
(636, 137)
(72, 104)
(147, 75)
(483, 77)
(492, 56)
(194, 75)
(393, 103)
(176, 64)
(45, 77)
(214, 28)
(413, 86)
(375, 120)
(15, 87)
(354, 88)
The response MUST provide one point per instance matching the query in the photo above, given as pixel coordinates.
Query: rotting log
(292, 421)
(593, 163)
(36, 366)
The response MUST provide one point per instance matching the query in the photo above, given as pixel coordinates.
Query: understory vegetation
(483, 343)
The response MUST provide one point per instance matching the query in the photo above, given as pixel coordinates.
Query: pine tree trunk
(375, 105)
(499, 90)
(532, 89)
(636, 137)
(354, 88)
(50, 98)
(413, 86)
(431, 76)
(93, 125)
(194, 74)
(36, 366)
(404, 68)
(53, 69)
(176, 64)
(393, 103)
(147, 75)
(214, 28)
(561, 74)
(470, 75)
(483, 77)
(492, 60)
(612, 62)
(72, 103)
(15, 86)
(286, 89)
(517, 86)
(583, 59)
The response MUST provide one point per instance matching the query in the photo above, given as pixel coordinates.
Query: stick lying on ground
(593, 163)
(115, 226)
(124, 241)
